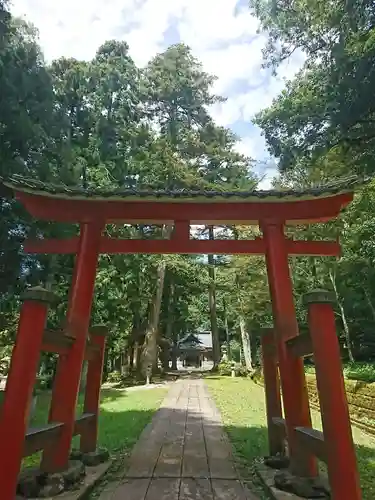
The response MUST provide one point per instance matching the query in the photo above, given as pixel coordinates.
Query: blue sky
(222, 34)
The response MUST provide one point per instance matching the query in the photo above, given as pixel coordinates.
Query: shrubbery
(360, 371)
(365, 372)
(114, 377)
(257, 375)
(225, 368)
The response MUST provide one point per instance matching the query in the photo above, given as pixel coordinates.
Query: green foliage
(106, 123)
(310, 369)
(114, 377)
(225, 369)
(123, 416)
(235, 350)
(242, 406)
(364, 372)
(329, 107)
(322, 127)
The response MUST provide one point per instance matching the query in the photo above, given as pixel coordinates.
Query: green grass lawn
(241, 403)
(123, 416)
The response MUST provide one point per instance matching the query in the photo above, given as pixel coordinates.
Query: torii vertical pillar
(338, 439)
(292, 376)
(89, 436)
(272, 391)
(68, 374)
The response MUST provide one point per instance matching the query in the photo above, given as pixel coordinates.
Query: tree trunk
(164, 359)
(50, 278)
(245, 336)
(369, 302)
(124, 363)
(82, 383)
(150, 346)
(343, 317)
(246, 344)
(212, 305)
(136, 333)
(130, 354)
(226, 330)
(174, 357)
(105, 367)
(137, 357)
(169, 333)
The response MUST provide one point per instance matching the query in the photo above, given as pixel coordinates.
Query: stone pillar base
(34, 483)
(304, 487)
(92, 458)
(278, 461)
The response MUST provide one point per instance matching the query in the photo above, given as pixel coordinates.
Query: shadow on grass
(122, 418)
(40, 413)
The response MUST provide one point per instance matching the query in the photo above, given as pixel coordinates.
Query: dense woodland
(107, 123)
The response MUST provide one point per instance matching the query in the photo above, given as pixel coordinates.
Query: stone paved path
(184, 453)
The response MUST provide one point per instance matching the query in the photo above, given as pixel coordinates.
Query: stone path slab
(184, 453)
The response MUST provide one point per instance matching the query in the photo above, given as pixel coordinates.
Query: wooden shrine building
(283, 346)
(194, 348)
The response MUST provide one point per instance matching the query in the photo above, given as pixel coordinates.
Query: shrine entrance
(283, 347)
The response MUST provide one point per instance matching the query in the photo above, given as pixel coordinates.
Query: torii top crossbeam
(180, 208)
(69, 204)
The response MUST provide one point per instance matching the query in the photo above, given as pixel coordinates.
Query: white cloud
(264, 89)
(208, 22)
(266, 182)
(221, 34)
(72, 28)
(254, 146)
(237, 61)
(77, 27)
(244, 106)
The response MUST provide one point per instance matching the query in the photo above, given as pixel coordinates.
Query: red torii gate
(270, 210)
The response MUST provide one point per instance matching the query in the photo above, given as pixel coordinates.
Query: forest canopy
(107, 123)
(321, 127)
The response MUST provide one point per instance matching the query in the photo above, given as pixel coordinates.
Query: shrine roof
(60, 191)
(198, 341)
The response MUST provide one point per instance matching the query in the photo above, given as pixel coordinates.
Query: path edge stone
(266, 475)
(93, 476)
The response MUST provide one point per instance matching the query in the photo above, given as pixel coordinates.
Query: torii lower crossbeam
(182, 246)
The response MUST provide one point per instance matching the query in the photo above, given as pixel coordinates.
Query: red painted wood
(68, 374)
(295, 397)
(272, 391)
(181, 230)
(341, 458)
(114, 246)
(209, 212)
(18, 394)
(89, 435)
